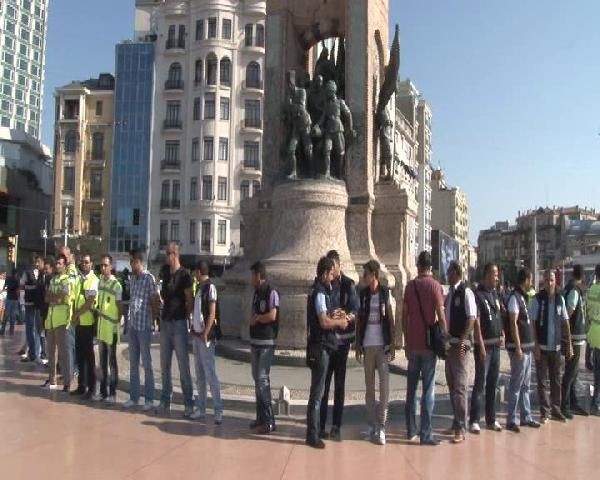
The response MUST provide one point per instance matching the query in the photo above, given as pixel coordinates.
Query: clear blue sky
(514, 86)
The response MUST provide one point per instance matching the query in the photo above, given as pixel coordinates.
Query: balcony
(173, 165)
(172, 124)
(167, 204)
(253, 85)
(174, 84)
(252, 124)
(94, 197)
(175, 44)
(251, 168)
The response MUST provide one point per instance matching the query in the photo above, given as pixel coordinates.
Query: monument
(327, 147)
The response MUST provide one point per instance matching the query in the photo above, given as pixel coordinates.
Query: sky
(514, 87)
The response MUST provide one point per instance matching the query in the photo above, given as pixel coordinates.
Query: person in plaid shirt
(143, 308)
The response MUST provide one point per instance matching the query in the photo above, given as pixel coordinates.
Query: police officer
(322, 323)
(344, 297)
(593, 336)
(264, 326)
(576, 308)
(83, 321)
(31, 287)
(488, 341)
(109, 316)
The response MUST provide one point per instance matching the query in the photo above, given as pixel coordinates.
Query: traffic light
(12, 249)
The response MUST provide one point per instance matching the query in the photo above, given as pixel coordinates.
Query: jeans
(486, 379)
(206, 372)
(262, 358)
(337, 369)
(318, 374)
(548, 367)
(376, 361)
(596, 364)
(86, 360)
(72, 349)
(125, 317)
(11, 314)
(518, 390)
(139, 344)
(569, 381)
(39, 326)
(33, 339)
(174, 336)
(108, 355)
(420, 365)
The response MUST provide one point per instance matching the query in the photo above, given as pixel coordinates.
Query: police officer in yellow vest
(73, 273)
(83, 321)
(57, 320)
(109, 318)
(593, 336)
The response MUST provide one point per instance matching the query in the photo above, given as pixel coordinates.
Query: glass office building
(129, 221)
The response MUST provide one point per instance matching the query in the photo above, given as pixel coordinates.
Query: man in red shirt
(423, 301)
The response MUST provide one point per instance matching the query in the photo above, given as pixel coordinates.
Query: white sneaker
(197, 414)
(130, 404)
(54, 386)
(98, 398)
(370, 433)
(380, 437)
(112, 399)
(218, 418)
(413, 439)
(475, 428)
(188, 412)
(148, 406)
(40, 362)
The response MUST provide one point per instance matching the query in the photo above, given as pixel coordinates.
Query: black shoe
(568, 415)
(255, 424)
(264, 430)
(513, 427)
(66, 389)
(431, 442)
(318, 443)
(335, 434)
(87, 396)
(532, 424)
(77, 391)
(21, 352)
(323, 434)
(577, 410)
(559, 417)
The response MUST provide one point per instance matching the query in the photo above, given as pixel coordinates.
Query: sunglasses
(106, 265)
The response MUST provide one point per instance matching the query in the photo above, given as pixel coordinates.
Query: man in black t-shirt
(178, 302)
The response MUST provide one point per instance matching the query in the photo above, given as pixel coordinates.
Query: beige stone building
(82, 152)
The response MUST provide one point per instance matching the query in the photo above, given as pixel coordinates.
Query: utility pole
(44, 234)
(16, 250)
(534, 252)
(66, 226)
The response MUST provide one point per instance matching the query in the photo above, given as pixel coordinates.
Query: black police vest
(541, 322)
(31, 289)
(523, 325)
(316, 334)
(263, 334)
(458, 312)
(346, 291)
(490, 316)
(364, 311)
(578, 334)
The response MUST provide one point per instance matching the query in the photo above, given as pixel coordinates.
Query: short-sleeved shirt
(431, 295)
(374, 330)
(142, 289)
(173, 294)
(470, 304)
(320, 304)
(92, 290)
(572, 300)
(554, 323)
(274, 299)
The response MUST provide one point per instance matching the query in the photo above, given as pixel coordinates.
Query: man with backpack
(205, 332)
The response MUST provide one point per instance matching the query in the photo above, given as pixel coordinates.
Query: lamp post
(44, 235)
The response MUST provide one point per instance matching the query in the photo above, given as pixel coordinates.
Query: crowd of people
(68, 309)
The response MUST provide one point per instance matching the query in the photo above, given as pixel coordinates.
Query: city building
(25, 195)
(129, 194)
(23, 26)
(450, 213)
(207, 124)
(83, 161)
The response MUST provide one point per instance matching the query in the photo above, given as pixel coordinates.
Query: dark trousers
(548, 371)
(108, 355)
(569, 381)
(262, 358)
(487, 372)
(86, 361)
(337, 369)
(318, 374)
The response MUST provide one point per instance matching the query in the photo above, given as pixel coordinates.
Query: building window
(255, 188)
(207, 193)
(211, 69)
(192, 232)
(71, 141)
(212, 27)
(96, 184)
(252, 113)
(174, 78)
(193, 189)
(181, 37)
(69, 180)
(251, 150)
(209, 148)
(209, 106)
(205, 235)
(225, 71)
(175, 231)
(248, 31)
(136, 217)
(165, 193)
(198, 72)
(200, 29)
(224, 103)
(172, 151)
(95, 226)
(222, 232)
(253, 75)
(245, 189)
(222, 189)
(176, 195)
(226, 29)
(197, 109)
(223, 149)
(99, 108)
(173, 111)
(195, 149)
(260, 36)
(97, 146)
(164, 233)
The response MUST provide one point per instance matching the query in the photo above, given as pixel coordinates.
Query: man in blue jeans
(31, 287)
(423, 302)
(178, 302)
(143, 309)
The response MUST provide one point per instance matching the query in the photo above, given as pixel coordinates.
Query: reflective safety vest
(593, 315)
(87, 285)
(59, 314)
(75, 279)
(108, 311)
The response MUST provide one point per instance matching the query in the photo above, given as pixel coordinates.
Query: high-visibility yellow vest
(75, 279)
(59, 314)
(593, 315)
(108, 311)
(87, 318)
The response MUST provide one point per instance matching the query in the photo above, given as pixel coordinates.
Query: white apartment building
(207, 122)
(22, 62)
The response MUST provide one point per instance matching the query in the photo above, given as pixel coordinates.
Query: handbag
(435, 338)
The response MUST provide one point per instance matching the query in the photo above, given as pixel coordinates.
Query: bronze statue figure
(300, 130)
